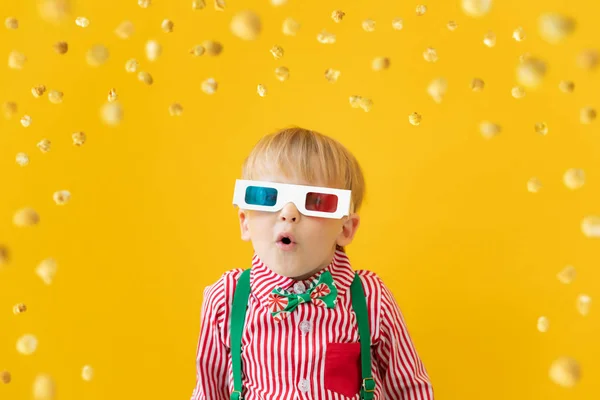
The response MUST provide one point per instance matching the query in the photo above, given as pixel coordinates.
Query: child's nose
(289, 212)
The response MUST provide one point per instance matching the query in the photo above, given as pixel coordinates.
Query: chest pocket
(342, 368)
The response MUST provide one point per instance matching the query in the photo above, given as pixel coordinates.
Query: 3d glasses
(313, 201)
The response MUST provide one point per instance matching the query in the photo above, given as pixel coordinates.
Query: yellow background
(448, 222)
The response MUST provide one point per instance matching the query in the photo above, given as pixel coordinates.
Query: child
(301, 323)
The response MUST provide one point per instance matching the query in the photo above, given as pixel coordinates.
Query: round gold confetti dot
(567, 275)
(354, 101)
(97, 55)
(78, 138)
(145, 77)
(588, 59)
(261, 90)
(278, 3)
(46, 270)
(430, 55)
(590, 226)
(26, 121)
(87, 373)
(543, 324)
(554, 28)
(54, 11)
(82, 22)
(518, 92)
(534, 185)
(290, 27)
(9, 109)
(198, 4)
(282, 73)
(380, 63)
(421, 10)
(44, 387)
(541, 128)
(167, 26)
(55, 96)
(246, 25)
(4, 258)
(326, 37)
(5, 377)
(175, 110)
(11, 23)
(209, 86)
(489, 129)
(125, 30)
(337, 16)
(519, 34)
(531, 72)
(131, 65)
(477, 85)
(476, 8)
(489, 39)
(332, 75)
(197, 50)
(452, 25)
(144, 3)
(368, 25)
(277, 51)
(574, 178)
(437, 89)
(213, 48)
(587, 115)
(153, 50)
(566, 86)
(27, 344)
(61, 47)
(38, 91)
(19, 308)
(414, 119)
(44, 145)
(397, 24)
(584, 303)
(112, 95)
(111, 113)
(61, 197)
(365, 103)
(16, 60)
(565, 372)
(22, 159)
(220, 5)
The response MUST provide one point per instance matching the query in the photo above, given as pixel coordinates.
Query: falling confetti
(145, 77)
(583, 304)
(54, 11)
(414, 119)
(565, 372)
(78, 138)
(554, 28)
(519, 34)
(44, 387)
(290, 27)
(332, 75)
(46, 270)
(11, 23)
(588, 59)
(587, 115)
(19, 308)
(22, 159)
(144, 3)
(574, 178)
(430, 55)
(198, 4)
(131, 65)
(210, 86)
(337, 16)
(82, 22)
(55, 96)
(567, 275)
(282, 73)
(489, 39)
(476, 8)
(220, 5)
(213, 48)
(16, 60)
(27, 344)
(112, 95)
(531, 72)
(61, 197)
(452, 25)
(197, 50)
(397, 24)
(87, 373)
(489, 129)
(167, 26)
(541, 128)
(26, 217)
(97, 55)
(61, 47)
(38, 91)
(153, 50)
(566, 86)
(246, 25)
(125, 30)
(4, 258)
(421, 10)
(543, 324)
(277, 52)
(477, 85)
(26, 121)
(590, 226)
(518, 92)
(361, 102)
(261, 90)
(534, 185)
(368, 25)
(9, 109)
(326, 37)
(5, 377)
(437, 89)
(380, 63)
(175, 110)
(111, 113)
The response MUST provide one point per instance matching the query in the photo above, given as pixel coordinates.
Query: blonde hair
(311, 156)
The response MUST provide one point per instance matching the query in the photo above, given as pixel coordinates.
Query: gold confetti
(518, 92)
(332, 75)
(397, 23)
(97, 55)
(590, 226)
(282, 73)
(476, 8)
(46, 270)
(277, 3)
(261, 90)
(246, 25)
(175, 110)
(213, 48)
(78, 138)
(4, 258)
(519, 34)
(534, 185)
(153, 50)
(452, 25)
(144, 3)
(541, 128)
(574, 178)
(290, 27)
(477, 85)
(565, 372)
(38, 91)
(430, 55)
(22, 159)
(326, 37)
(82, 22)
(61, 197)
(437, 89)
(583, 304)
(145, 77)
(27, 344)
(220, 5)
(531, 72)
(125, 30)
(87, 373)
(588, 59)
(421, 10)
(368, 25)
(209, 86)
(277, 51)
(197, 50)
(26, 121)
(44, 145)
(489, 129)
(16, 60)
(414, 119)
(167, 26)
(11, 23)
(131, 65)
(111, 113)
(54, 11)
(380, 63)
(198, 4)
(489, 39)
(5, 377)
(567, 275)
(566, 86)
(337, 16)
(9, 109)
(112, 95)
(55, 96)
(365, 103)
(44, 387)
(525, 56)
(543, 324)
(554, 28)
(587, 115)
(19, 308)
(61, 47)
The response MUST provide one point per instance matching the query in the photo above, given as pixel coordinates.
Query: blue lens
(261, 196)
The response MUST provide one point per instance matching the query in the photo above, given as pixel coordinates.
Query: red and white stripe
(277, 356)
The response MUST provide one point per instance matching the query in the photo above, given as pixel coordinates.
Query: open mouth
(286, 240)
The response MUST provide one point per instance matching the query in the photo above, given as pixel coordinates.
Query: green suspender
(238, 317)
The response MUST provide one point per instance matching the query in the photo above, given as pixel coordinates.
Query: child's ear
(244, 227)
(348, 230)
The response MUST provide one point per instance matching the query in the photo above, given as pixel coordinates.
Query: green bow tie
(323, 294)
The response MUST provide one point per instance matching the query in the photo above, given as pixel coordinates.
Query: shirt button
(304, 385)
(299, 287)
(305, 326)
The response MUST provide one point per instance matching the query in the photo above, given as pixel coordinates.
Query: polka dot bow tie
(323, 294)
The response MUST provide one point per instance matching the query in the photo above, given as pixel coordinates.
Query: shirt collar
(263, 280)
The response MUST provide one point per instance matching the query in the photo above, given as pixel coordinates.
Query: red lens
(323, 202)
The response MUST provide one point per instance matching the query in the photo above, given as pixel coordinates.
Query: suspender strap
(238, 317)
(359, 304)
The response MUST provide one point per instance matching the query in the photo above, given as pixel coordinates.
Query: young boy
(301, 323)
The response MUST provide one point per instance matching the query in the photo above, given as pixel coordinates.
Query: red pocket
(342, 368)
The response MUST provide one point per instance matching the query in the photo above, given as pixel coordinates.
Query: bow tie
(323, 294)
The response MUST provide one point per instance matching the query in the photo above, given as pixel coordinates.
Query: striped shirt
(314, 353)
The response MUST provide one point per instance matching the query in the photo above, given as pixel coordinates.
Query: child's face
(315, 237)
